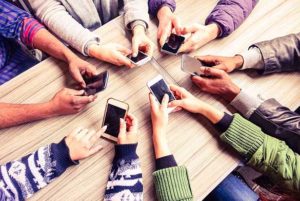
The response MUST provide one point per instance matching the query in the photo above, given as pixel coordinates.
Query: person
(69, 21)
(221, 22)
(18, 27)
(261, 151)
(20, 179)
(274, 56)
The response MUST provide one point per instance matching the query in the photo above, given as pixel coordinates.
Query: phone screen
(112, 119)
(138, 58)
(160, 88)
(191, 65)
(173, 44)
(96, 84)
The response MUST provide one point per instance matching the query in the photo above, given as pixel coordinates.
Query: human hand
(128, 130)
(140, 41)
(227, 64)
(186, 100)
(199, 36)
(81, 143)
(69, 101)
(159, 114)
(79, 67)
(112, 53)
(167, 21)
(216, 82)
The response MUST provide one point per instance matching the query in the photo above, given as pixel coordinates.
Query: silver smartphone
(140, 59)
(191, 65)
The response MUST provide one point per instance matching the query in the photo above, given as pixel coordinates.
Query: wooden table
(192, 139)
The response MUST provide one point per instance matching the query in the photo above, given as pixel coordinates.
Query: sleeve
(125, 178)
(155, 5)
(230, 14)
(173, 184)
(20, 179)
(279, 121)
(165, 162)
(252, 59)
(17, 24)
(55, 16)
(135, 10)
(246, 102)
(266, 154)
(280, 54)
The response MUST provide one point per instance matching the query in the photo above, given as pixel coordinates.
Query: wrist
(232, 92)
(49, 109)
(238, 61)
(163, 12)
(138, 29)
(214, 30)
(93, 50)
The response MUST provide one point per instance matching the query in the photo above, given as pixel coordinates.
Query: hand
(112, 53)
(167, 21)
(159, 114)
(140, 41)
(218, 83)
(200, 35)
(227, 64)
(79, 67)
(128, 130)
(69, 101)
(81, 143)
(186, 100)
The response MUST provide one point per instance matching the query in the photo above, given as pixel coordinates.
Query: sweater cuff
(61, 154)
(224, 123)
(244, 136)
(126, 151)
(165, 162)
(246, 103)
(173, 184)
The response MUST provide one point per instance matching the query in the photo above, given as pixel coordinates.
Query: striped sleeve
(20, 179)
(29, 29)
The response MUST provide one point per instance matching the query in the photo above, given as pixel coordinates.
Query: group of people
(265, 133)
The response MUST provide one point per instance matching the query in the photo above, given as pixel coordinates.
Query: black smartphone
(115, 110)
(159, 88)
(96, 83)
(140, 59)
(173, 44)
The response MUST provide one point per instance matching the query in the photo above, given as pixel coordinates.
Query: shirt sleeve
(20, 179)
(252, 59)
(155, 5)
(230, 14)
(125, 175)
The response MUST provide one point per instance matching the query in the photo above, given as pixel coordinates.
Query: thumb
(176, 103)
(177, 25)
(214, 72)
(122, 130)
(78, 77)
(135, 47)
(165, 34)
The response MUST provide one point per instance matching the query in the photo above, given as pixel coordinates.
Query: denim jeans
(232, 188)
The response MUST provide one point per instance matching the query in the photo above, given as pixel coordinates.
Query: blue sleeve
(155, 5)
(20, 179)
(125, 178)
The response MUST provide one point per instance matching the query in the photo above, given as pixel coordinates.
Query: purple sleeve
(230, 14)
(155, 5)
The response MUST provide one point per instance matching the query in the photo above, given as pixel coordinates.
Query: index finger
(124, 60)
(82, 100)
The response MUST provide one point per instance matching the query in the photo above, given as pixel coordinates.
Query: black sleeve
(165, 162)
(224, 123)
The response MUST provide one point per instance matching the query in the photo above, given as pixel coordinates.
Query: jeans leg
(232, 188)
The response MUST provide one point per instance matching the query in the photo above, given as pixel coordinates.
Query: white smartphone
(114, 110)
(140, 59)
(158, 87)
(173, 44)
(191, 65)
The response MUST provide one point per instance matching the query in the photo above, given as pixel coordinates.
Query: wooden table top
(192, 139)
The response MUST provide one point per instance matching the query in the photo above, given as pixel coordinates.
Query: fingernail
(104, 127)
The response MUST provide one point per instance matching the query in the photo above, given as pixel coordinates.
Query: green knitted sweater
(267, 154)
(172, 184)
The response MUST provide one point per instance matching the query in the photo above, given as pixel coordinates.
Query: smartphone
(96, 83)
(114, 110)
(159, 88)
(140, 59)
(191, 65)
(173, 44)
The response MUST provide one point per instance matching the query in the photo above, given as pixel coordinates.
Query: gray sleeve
(246, 103)
(135, 10)
(252, 59)
(54, 15)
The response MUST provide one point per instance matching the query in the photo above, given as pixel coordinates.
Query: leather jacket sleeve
(280, 54)
(278, 121)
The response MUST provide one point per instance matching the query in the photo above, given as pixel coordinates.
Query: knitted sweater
(20, 179)
(267, 154)
(125, 180)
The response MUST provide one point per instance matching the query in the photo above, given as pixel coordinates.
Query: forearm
(135, 10)
(15, 114)
(45, 41)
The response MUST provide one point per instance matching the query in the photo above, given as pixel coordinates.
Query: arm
(20, 179)
(125, 178)
(55, 16)
(156, 5)
(136, 10)
(167, 175)
(229, 15)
